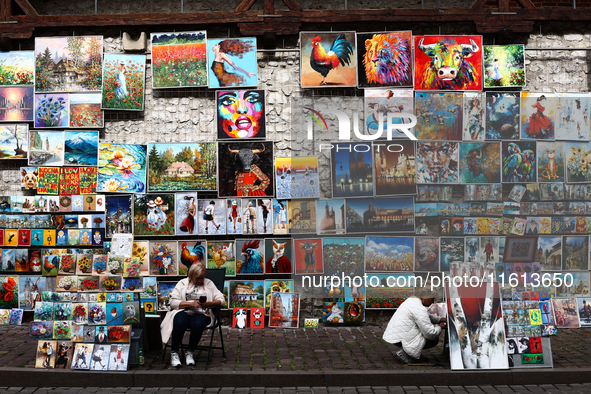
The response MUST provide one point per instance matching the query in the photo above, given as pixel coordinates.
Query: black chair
(217, 276)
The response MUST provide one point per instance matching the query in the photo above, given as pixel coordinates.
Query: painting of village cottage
(247, 294)
(68, 64)
(182, 166)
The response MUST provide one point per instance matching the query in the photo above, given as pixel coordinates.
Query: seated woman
(413, 328)
(188, 312)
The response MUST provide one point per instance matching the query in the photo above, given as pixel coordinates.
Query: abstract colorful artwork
(328, 59)
(448, 62)
(437, 162)
(232, 62)
(384, 59)
(480, 162)
(439, 116)
(179, 59)
(474, 312)
(241, 114)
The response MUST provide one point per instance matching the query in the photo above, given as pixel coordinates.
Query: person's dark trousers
(183, 321)
(431, 343)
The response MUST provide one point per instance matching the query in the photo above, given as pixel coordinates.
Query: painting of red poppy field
(179, 59)
(85, 110)
(123, 82)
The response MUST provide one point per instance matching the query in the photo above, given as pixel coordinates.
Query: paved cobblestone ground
(548, 388)
(321, 349)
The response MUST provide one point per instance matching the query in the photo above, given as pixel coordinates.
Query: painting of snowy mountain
(81, 148)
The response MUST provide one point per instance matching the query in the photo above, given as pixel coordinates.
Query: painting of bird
(321, 61)
(195, 255)
(253, 259)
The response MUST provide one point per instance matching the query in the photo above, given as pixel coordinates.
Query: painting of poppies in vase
(52, 110)
(122, 168)
(68, 64)
(179, 59)
(123, 82)
(154, 214)
(163, 259)
(85, 110)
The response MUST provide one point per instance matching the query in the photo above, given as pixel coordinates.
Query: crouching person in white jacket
(413, 328)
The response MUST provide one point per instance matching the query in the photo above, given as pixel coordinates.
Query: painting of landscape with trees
(68, 64)
(182, 166)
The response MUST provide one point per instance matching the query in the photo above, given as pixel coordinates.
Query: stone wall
(188, 115)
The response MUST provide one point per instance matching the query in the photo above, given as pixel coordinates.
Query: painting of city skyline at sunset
(16, 103)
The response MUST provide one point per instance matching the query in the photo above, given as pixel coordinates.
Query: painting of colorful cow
(448, 62)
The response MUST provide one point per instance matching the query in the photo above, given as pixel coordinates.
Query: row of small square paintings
(232, 62)
(82, 356)
(529, 225)
(305, 256)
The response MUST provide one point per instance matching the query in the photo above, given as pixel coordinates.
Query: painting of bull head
(448, 62)
(246, 169)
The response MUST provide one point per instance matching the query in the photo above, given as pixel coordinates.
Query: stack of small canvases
(84, 331)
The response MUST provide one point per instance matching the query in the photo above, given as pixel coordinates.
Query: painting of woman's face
(241, 114)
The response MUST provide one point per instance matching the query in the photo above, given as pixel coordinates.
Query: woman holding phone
(189, 301)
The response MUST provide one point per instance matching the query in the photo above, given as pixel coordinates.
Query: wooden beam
(269, 6)
(503, 5)
(249, 21)
(160, 19)
(5, 10)
(259, 29)
(293, 5)
(27, 8)
(245, 5)
(478, 4)
(527, 4)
